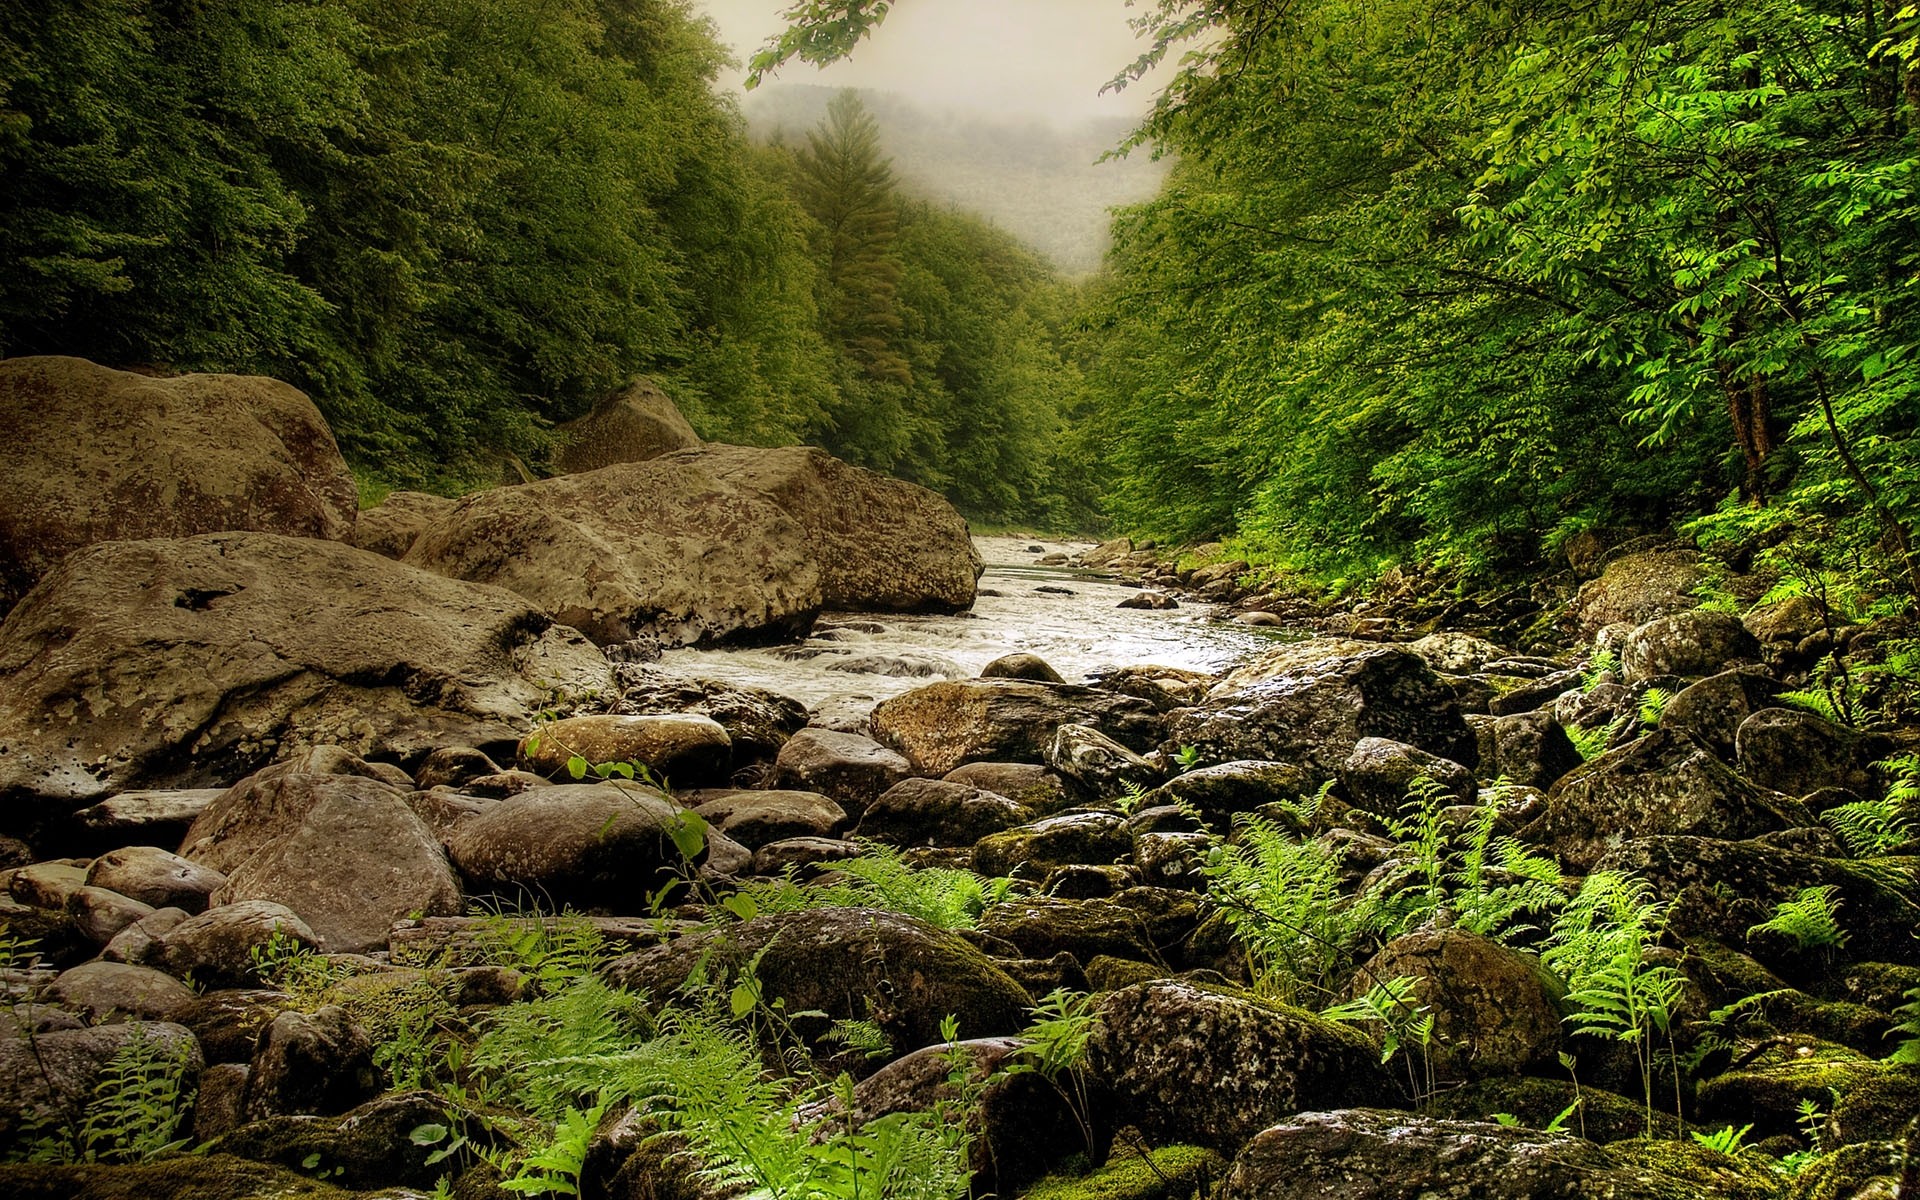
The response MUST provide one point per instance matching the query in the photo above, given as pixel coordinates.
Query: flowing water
(1068, 617)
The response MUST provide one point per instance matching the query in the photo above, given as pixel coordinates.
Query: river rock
(231, 649)
(933, 812)
(756, 818)
(140, 818)
(942, 725)
(270, 803)
(1150, 601)
(1021, 666)
(852, 768)
(48, 1077)
(1042, 927)
(1662, 784)
(99, 914)
(218, 946)
(49, 885)
(109, 991)
(1096, 838)
(1637, 588)
(369, 1147)
(1799, 753)
(1720, 889)
(1219, 791)
(897, 971)
(689, 750)
(318, 1062)
(1370, 1154)
(1495, 1010)
(98, 455)
(1528, 749)
(1456, 653)
(390, 528)
(1311, 703)
(1379, 776)
(595, 846)
(757, 721)
(1039, 789)
(140, 942)
(633, 425)
(1192, 1065)
(155, 877)
(1713, 709)
(1100, 764)
(1689, 643)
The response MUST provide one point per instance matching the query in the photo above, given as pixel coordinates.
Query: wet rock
(758, 722)
(933, 812)
(1150, 601)
(1713, 709)
(1166, 688)
(897, 971)
(1212, 1068)
(1663, 784)
(1021, 666)
(221, 1103)
(900, 666)
(691, 751)
(317, 1063)
(594, 846)
(852, 768)
(1379, 775)
(1367, 1154)
(163, 458)
(1067, 838)
(1107, 553)
(1100, 764)
(1688, 643)
(48, 1079)
(236, 648)
(1495, 1010)
(108, 991)
(1799, 753)
(1637, 588)
(217, 947)
(756, 818)
(942, 725)
(1311, 702)
(155, 877)
(632, 425)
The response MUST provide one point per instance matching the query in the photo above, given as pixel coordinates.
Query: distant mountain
(1037, 180)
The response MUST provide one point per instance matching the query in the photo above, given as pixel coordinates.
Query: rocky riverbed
(375, 854)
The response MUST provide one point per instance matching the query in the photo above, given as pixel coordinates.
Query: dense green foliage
(458, 222)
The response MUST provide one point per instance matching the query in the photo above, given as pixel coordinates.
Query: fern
(942, 896)
(1808, 920)
(1602, 664)
(1726, 1141)
(1402, 1023)
(1831, 694)
(1908, 1051)
(1653, 705)
(1871, 827)
(1282, 897)
(136, 1107)
(1592, 743)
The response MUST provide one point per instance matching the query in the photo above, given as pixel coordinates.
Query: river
(1068, 617)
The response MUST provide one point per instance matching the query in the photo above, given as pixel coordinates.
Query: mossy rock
(368, 1147)
(1878, 985)
(1875, 1098)
(1107, 972)
(201, 1176)
(1842, 1174)
(1603, 1116)
(1704, 1171)
(1726, 975)
(1169, 1173)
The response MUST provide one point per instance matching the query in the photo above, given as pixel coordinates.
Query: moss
(1845, 1172)
(1705, 1172)
(203, 1177)
(1106, 972)
(1879, 1105)
(1169, 1173)
(1603, 1116)
(1769, 1095)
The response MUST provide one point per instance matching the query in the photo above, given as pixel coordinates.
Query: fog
(997, 58)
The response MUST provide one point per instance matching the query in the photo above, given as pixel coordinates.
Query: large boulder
(1216, 793)
(1713, 709)
(1366, 1154)
(899, 972)
(689, 749)
(1637, 588)
(1689, 643)
(1195, 1065)
(1311, 703)
(390, 527)
(1799, 752)
(1663, 783)
(850, 767)
(48, 1078)
(1495, 1010)
(628, 426)
(758, 722)
(194, 661)
(943, 725)
(719, 544)
(96, 455)
(934, 812)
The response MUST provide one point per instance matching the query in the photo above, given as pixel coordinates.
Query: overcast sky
(1036, 58)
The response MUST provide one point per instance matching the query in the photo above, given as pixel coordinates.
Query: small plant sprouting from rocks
(1404, 1024)
(134, 1113)
(1055, 1047)
(1908, 1051)
(1727, 1141)
(1809, 920)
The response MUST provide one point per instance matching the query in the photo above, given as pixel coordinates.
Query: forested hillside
(458, 222)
